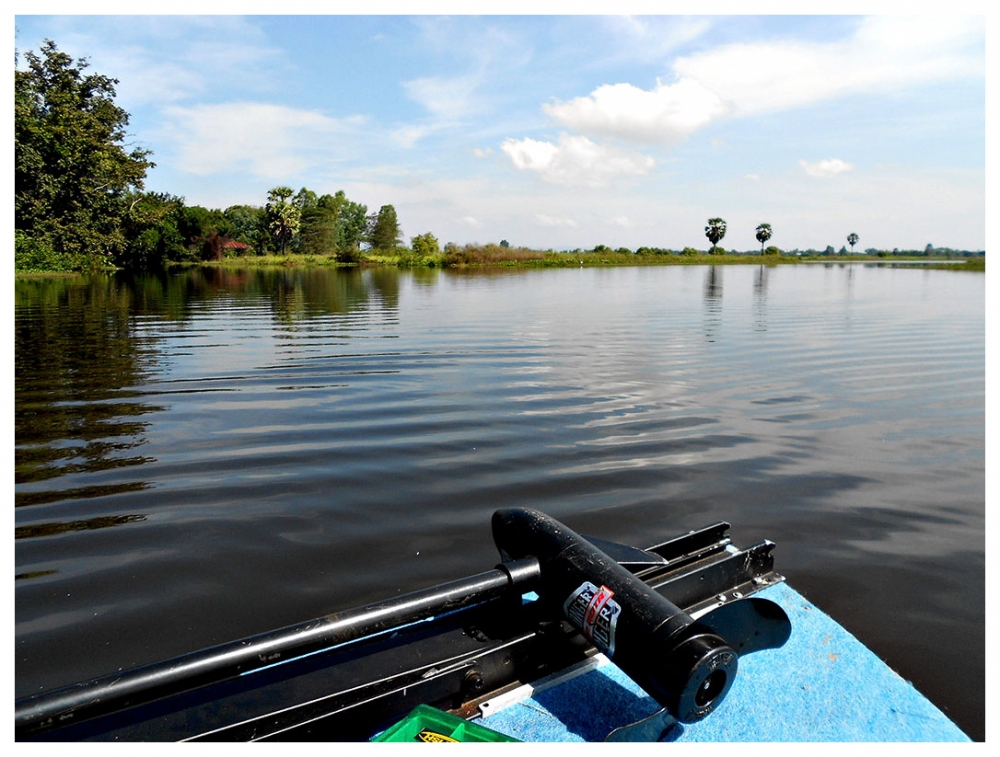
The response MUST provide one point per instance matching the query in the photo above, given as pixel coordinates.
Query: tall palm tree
(715, 231)
(852, 239)
(763, 234)
(283, 218)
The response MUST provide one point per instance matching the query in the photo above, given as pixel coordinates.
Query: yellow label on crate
(430, 736)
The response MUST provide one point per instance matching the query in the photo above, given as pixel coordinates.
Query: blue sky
(564, 131)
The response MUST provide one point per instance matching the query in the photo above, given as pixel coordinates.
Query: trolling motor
(686, 665)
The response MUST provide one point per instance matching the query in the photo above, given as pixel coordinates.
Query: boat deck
(823, 685)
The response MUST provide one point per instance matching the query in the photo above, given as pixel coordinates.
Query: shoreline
(548, 260)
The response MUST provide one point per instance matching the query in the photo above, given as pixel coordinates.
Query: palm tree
(715, 231)
(763, 234)
(852, 239)
(283, 218)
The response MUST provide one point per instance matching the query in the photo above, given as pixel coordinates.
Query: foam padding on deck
(822, 685)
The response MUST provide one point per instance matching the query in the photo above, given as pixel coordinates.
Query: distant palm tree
(763, 234)
(715, 231)
(852, 239)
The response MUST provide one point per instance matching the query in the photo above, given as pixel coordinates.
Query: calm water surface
(207, 455)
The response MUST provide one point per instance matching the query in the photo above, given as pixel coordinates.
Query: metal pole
(149, 682)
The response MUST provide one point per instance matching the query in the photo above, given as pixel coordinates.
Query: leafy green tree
(425, 245)
(504, 243)
(152, 228)
(715, 231)
(305, 198)
(763, 234)
(383, 231)
(852, 239)
(352, 220)
(73, 176)
(772, 250)
(283, 217)
(320, 230)
(248, 224)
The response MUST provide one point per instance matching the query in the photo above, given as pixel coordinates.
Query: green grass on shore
(495, 256)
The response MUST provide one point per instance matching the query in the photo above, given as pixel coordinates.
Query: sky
(562, 131)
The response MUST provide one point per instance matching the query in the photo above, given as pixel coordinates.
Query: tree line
(80, 202)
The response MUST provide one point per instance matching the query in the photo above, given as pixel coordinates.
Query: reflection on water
(209, 454)
(713, 301)
(75, 356)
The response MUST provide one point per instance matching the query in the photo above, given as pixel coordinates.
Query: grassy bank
(500, 258)
(496, 256)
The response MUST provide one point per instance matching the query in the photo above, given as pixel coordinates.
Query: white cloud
(472, 221)
(267, 140)
(444, 97)
(666, 115)
(624, 221)
(408, 136)
(652, 37)
(824, 169)
(752, 176)
(480, 153)
(575, 160)
(179, 57)
(886, 53)
(544, 220)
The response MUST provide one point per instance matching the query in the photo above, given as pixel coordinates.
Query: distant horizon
(566, 132)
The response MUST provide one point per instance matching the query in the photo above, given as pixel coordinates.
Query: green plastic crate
(429, 724)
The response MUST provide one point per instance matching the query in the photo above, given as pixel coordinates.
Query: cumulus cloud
(667, 114)
(575, 160)
(886, 53)
(624, 221)
(267, 140)
(824, 169)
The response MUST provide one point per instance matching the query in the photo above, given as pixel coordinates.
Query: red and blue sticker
(595, 613)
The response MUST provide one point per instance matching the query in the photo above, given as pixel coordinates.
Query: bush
(690, 251)
(490, 254)
(772, 250)
(32, 255)
(425, 245)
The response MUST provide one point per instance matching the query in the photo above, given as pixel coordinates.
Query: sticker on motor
(595, 613)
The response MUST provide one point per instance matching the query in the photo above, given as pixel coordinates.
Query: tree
(283, 217)
(763, 234)
(352, 218)
(425, 245)
(383, 231)
(248, 224)
(852, 239)
(152, 229)
(715, 231)
(74, 179)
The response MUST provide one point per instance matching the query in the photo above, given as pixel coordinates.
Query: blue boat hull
(822, 685)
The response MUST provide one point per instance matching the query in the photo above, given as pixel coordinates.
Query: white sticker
(595, 613)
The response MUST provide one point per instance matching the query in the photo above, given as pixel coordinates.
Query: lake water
(210, 454)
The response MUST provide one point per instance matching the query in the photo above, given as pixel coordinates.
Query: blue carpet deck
(823, 685)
